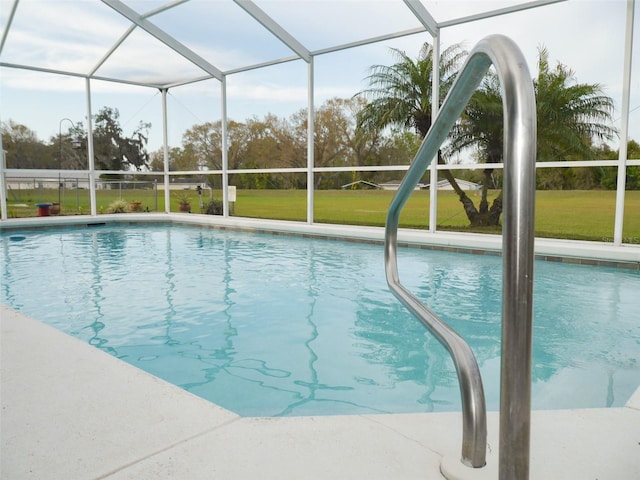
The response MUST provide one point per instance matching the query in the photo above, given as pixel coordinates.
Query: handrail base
(452, 468)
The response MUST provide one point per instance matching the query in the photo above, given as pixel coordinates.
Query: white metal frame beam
(164, 8)
(423, 15)
(81, 75)
(267, 22)
(496, 13)
(164, 37)
(113, 48)
(7, 27)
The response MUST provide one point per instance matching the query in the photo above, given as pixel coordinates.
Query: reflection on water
(268, 325)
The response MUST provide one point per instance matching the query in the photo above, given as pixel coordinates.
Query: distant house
(39, 179)
(395, 184)
(42, 179)
(360, 184)
(463, 184)
(442, 185)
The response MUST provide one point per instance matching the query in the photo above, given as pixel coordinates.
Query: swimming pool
(270, 325)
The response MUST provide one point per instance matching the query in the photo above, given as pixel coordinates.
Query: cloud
(74, 37)
(586, 35)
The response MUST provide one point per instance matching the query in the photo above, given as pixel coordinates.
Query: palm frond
(401, 94)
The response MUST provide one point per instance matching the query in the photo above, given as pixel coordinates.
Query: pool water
(269, 325)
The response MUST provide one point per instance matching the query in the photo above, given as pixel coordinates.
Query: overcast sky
(586, 35)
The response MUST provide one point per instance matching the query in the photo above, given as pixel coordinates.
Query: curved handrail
(518, 238)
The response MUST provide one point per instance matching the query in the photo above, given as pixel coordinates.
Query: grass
(77, 202)
(576, 214)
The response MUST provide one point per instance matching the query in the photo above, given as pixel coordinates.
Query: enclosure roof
(161, 43)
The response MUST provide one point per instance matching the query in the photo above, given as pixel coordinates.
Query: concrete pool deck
(70, 411)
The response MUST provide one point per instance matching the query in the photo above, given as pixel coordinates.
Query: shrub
(184, 202)
(118, 206)
(214, 207)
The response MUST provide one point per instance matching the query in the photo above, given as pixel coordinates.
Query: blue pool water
(272, 325)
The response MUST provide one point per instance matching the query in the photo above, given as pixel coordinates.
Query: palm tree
(481, 127)
(400, 95)
(569, 116)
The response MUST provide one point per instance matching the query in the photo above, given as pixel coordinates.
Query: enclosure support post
(225, 150)
(435, 106)
(3, 184)
(90, 158)
(310, 144)
(165, 153)
(624, 129)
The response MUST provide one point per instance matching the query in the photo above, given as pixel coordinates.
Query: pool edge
(557, 250)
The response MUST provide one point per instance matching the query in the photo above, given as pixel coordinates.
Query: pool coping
(70, 410)
(557, 250)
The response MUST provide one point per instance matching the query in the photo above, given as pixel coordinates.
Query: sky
(586, 35)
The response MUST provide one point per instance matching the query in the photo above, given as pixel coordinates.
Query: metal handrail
(518, 239)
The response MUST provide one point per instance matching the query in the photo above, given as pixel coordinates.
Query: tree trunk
(488, 217)
(469, 208)
(485, 216)
(484, 203)
(496, 210)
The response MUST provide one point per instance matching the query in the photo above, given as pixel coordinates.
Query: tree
(262, 150)
(401, 93)
(333, 138)
(362, 146)
(633, 172)
(401, 96)
(68, 155)
(570, 116)
(178, 160)
(482, 127)
(113, 150)
(338, 140)
(252, 144)
(273, 142)
(202, 145)
(609, 175)
(398, 147)
(24, 149)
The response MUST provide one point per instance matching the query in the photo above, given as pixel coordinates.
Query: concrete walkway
(72, 412)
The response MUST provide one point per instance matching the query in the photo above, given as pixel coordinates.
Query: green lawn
(559, 214)
(580, 214)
